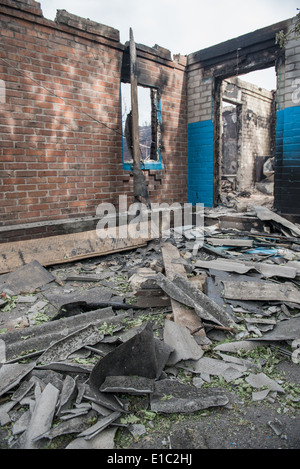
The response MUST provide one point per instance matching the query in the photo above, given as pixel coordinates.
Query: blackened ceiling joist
(257, 44)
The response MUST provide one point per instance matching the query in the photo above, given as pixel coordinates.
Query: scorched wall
(60, 120)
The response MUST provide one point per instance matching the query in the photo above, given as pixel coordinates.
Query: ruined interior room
(247, 138)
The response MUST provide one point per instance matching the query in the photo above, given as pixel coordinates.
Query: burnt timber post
(134, 101)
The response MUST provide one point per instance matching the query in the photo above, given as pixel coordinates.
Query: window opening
(149, 124)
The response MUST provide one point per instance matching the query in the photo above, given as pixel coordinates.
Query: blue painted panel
(157, 165)
(287, 161)
(201, 162)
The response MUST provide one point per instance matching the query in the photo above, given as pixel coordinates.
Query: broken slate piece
(231, 373)
(64, 366)
(67, 394)
(99, 426)
(22, 423)
(48, 332)
(238, 345)
(211, 366)
(198, 382)
(26, 299)
(162, 351)
(42, 416)
(277, 426)
(78, 408)
(11, 375)
(91, 295)
(259, 380)
(4, 412)
(263, 213)
(222, 264)
(28, 278)
(104, 440)
(61, 349)
(239, 361)
(139, 356)
(22, 390)
(184, 291)
(184, 345)
(284, 330)
(100, 409)
(38, 306)
(137, 429)
(267, 270)
(260, 395)
(2, 351)
(74, 425)
(172, 396)
(237, 242)
(128, 384)
(267, 291)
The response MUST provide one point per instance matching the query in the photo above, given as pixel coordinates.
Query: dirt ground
(243, 426)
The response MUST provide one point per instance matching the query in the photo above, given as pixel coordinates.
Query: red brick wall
(61, 152)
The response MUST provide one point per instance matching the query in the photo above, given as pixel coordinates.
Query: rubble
(26, 279)
(171, 396)
(164, 325)
(182, 342)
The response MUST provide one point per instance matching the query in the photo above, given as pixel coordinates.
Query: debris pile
(87, 348)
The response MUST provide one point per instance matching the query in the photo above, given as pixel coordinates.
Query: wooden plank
(64, 248)
(248, 40)
(183, 316)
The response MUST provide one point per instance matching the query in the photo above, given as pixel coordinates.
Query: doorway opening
(230, 147)
(149, 109)
(246, 128)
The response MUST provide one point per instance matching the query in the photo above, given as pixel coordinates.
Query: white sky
(182, 26)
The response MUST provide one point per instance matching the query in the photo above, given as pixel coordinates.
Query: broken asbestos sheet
(230, 242)
(42, 416)
(184, 345)
(184, 292)
(260, 380)
(11, 375)
(263, 213)
(61, 349)
(214, 367)
(284, 330)
(128, 384)
(27, 278)
(264, 291)
(172, 396)
(142, 355)
(267, 270)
